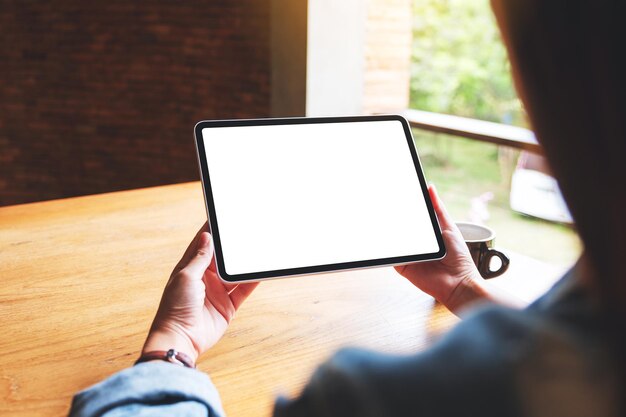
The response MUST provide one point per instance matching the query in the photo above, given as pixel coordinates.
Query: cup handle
(488, 273)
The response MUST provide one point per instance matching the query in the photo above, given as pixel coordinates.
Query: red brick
(103, 96)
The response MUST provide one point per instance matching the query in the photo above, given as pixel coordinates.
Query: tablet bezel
(283, 273)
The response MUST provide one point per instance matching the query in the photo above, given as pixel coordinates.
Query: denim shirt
(550, 359)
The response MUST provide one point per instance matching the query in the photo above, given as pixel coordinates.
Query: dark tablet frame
(261, 275)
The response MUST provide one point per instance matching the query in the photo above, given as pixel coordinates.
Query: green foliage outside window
(459, 64)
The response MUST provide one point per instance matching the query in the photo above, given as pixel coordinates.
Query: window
(459, 66)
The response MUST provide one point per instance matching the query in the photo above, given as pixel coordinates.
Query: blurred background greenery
(460, 67)
(459, 64)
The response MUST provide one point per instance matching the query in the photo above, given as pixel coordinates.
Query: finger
(217, 295)
(190, 251)
(455, 243)
(213, 266)
(228, 287)
(401, 269)
(239, 294)
(445, 220)
(202, 257)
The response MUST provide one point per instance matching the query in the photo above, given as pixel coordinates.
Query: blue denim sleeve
(152, 389)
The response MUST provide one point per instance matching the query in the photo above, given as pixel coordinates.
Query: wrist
(468, 290)
(164, 340)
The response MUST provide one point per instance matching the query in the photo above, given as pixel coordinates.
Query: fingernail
(205, 240)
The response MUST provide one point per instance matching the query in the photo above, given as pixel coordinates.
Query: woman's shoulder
(467, 372)
(555, 355)
(498, 361)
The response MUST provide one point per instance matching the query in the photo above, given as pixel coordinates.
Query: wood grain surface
(81, 279)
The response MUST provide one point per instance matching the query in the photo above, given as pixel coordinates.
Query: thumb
(445, 221)
(201, 260)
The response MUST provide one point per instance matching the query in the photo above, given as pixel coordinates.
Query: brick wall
(103, 96)
(387, 56)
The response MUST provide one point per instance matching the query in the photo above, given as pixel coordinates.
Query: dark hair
(569, 61)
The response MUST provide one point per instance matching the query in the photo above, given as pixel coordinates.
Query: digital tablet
(301, 196)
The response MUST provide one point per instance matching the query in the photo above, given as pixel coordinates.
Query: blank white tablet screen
(301, 195)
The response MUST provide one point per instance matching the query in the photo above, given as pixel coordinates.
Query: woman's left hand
(196, 306)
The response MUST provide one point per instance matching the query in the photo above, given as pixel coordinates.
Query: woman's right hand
(454, 280)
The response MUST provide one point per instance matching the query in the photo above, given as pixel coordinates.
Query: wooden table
(81, 279)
